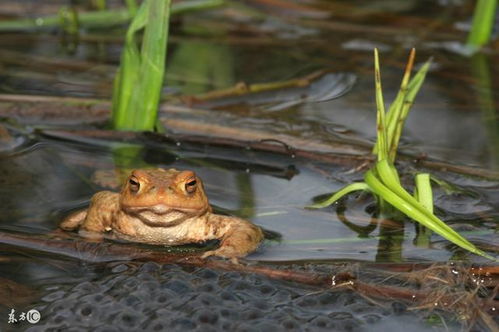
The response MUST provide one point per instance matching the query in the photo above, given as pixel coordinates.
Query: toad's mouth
(161, 215)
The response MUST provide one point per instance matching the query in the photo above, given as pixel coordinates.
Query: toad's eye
(191, 186)
(134, 185)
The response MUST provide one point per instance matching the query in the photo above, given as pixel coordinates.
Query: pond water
(44, 177)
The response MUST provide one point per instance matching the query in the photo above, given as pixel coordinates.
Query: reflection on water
(51, 177)
(454, 119)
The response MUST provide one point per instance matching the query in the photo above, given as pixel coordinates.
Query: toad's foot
(240, 239)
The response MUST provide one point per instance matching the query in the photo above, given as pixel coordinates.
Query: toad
(164, 207)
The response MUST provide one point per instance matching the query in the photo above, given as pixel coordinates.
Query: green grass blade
(146, 94)
(395, 111)
(140, 79)
(398, 197)
(356, 186)
(424, 192)
(414, 86)
(412, 91)
(128, 72)
(195, 5)
(483, 23)
(381, 144)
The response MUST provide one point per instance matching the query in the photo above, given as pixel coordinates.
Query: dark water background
(454, 120)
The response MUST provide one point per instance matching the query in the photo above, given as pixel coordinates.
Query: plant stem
(103, 18)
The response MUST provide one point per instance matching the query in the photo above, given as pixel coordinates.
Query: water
(43, 178)
(61, 176)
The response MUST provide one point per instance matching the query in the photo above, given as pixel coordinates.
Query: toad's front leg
(97, 220)
(238, 237)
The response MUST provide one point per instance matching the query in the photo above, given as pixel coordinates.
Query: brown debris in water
(469, 293)
(451, 287)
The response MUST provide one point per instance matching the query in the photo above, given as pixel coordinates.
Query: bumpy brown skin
(167, 207)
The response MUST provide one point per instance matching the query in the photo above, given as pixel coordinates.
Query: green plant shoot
(138, 84)
(382, 179)
(483, 23)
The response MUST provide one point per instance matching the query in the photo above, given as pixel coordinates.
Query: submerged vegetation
(382, 179)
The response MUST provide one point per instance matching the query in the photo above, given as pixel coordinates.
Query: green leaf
(412, 90)
(483, 23)
(339, 194)
(146, 94)
(423, 194)
(140, 79)
(394, 115)
(381, 144)
(128, 72)
(423, 191)
(393, 193)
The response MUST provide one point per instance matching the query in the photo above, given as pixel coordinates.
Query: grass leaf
(394, 115)
(381, 144)
(412, 90)
(139, 82)
(424, 194)
(356, 186)
(383, 180)
(483, 23)
(393, 193)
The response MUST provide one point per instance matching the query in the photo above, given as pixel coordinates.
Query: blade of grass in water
(145, 99)
(342, 192)
(395, 110)
(393, 193)
(483, 23)
(383, 180)
(424, 192)
(399, 109)
(128, 72)
(140, 79)
(382, 148)
(103, 18)
(412, 90)
(424, 195)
